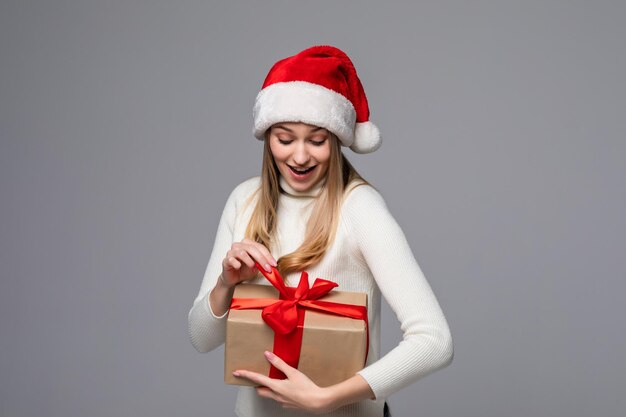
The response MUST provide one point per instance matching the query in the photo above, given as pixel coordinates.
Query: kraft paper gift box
(332, 348)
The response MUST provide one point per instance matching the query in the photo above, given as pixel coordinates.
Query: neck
(311, 192)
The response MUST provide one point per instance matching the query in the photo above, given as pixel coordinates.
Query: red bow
(287, 313)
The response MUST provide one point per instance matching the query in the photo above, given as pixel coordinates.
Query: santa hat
(318, 86)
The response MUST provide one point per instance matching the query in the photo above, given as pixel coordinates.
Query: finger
(264, 251)
(244, 257)
(280, 364)
(268, 393)
(232, 263)
(243, 253)
(258, 255)
(256, 377)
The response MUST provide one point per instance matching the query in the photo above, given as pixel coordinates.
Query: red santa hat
(318, 86)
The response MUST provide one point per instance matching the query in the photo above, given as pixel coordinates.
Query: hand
(238, 264)
(297, 391)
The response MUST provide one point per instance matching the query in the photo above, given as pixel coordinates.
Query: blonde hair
(341, 177)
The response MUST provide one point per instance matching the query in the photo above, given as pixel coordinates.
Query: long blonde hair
(341, 177)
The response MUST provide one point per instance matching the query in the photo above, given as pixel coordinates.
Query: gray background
(125, 124)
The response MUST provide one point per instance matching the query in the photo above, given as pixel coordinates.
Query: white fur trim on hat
(366, 138)
(301, 101)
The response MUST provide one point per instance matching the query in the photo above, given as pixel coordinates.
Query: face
(301, 152)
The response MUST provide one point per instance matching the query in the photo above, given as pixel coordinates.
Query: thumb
(280, 364)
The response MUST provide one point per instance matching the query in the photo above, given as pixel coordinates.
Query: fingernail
(236, 373)
(269, 355)
(268, 268)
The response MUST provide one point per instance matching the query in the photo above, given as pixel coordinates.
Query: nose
(301, 155)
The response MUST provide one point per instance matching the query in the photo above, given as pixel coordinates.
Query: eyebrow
(289, 130)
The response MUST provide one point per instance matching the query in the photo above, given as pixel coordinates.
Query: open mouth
(302, 172)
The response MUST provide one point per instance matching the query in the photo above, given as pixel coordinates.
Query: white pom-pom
(366, 138)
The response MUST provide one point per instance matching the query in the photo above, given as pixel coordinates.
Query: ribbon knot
(282, 315)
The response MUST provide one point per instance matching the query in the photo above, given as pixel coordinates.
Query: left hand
(297, 391)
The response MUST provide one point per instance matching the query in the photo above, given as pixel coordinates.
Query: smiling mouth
(301, 172)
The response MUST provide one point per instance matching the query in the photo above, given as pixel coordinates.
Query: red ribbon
(286, 315)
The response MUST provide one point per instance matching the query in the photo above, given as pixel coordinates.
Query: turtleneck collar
(311, 192)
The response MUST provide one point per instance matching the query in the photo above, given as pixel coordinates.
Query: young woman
(310, 210)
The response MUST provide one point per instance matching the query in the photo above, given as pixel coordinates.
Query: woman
(310, 210)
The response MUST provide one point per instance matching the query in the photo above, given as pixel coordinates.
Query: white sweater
(370, 254)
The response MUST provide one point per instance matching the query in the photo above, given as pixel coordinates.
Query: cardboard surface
(333, 347)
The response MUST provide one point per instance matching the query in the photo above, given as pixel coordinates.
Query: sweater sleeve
(206, 330)
(427, 341)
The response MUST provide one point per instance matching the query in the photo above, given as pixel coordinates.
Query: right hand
(238, 264)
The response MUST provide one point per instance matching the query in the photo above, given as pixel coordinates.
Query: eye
(284, 142)
(318, 143)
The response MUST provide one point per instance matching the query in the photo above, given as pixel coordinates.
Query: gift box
(322, 333)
